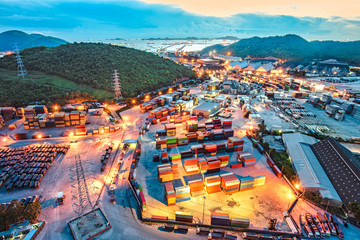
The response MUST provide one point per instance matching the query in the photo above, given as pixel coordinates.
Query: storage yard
(202, 187)
(185, 165)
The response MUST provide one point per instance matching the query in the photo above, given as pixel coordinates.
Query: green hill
(23, 40)
(291, 47)
(88, 67)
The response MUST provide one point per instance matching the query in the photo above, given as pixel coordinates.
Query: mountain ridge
(8, 39)
(292, 47)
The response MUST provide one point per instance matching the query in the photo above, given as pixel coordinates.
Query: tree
(32, 211)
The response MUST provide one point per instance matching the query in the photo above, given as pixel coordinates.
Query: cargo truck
(60, 198)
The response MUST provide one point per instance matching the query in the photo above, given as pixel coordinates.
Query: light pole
(203, 210)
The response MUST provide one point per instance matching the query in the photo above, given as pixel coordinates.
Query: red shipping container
(277, 171)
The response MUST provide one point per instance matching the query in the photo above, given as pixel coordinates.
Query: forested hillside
(23, 40)
(93, 64)
(291, 47)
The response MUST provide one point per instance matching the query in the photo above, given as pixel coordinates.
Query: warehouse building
(308, 168)
(337, 162)
(207, 109)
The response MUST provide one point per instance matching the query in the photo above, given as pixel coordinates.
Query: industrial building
(308, 168)
(207, 109)
(337, 162)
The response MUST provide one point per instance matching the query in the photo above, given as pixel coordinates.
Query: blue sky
(80, 20)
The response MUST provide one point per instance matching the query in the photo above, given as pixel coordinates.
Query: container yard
(209, 174)
(182, 167)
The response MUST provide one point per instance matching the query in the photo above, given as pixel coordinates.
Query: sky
(76, 20)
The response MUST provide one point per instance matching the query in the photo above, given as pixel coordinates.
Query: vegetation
(24, 40)
(354, 208)
(92, 65)
(41, 87)
(291, 47)
(193, 38)
(16, 212)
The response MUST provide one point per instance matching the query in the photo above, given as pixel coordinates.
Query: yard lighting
(251, 127)
(133, 101)
(160, 93)
(56, 108)
(39, 135)
(4, 139)
(105, 105)
(71, 134)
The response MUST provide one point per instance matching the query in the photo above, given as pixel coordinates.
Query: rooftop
(307, 166)
(207, 106)
(343, 173)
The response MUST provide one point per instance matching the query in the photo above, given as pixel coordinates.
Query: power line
(117, 86)
(21, 70)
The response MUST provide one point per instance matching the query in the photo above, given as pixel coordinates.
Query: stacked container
(259, 180)
(59, 119)
(228, 132)
(246, 183)
(213, 165)
(221, 147)
(170, 194)
(212, 184)
(203, 166)
(165, 173)
(171, 142)
(240, 222)
(227, 124)
(247, 159)
(229, 183)
(191, 126)
(164, 157)
(183, 217)
(218, 134)
(197, 149)
(192, 137)
(182, 194)
(182, 141)
(170, 129)
(237, 142)
(143, 202)
(7, 113)
(175, 157)
(67, 120)
(186, 154)
(220, 219)
(190, 166)
(75, 118)
(201, 127)
(80, 130)
(210, 149)
(161, 144)
(216, 123)
(196, 187)
(224, 160)
(2, 121)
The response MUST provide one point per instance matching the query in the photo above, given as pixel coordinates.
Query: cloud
(74, 20)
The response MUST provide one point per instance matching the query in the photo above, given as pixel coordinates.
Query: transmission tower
(80, 192)
(117, 86)
(21, 70)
